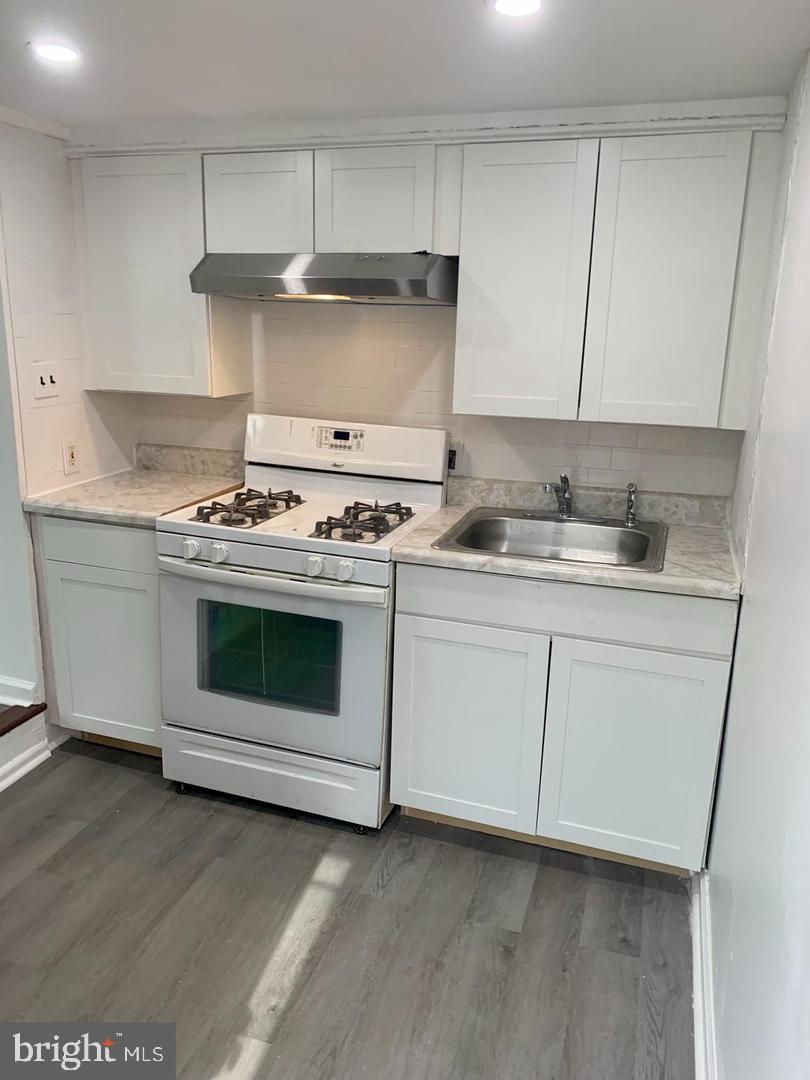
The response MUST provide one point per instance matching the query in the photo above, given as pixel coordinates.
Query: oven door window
(269, 656)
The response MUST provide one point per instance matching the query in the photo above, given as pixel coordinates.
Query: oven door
(275, 659)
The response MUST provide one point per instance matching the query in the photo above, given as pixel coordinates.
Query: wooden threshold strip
(122, 744)
(13, 715)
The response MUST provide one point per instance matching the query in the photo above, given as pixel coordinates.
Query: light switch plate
(46, 384)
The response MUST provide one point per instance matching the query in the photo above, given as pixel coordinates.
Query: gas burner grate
(269, 498)
(363, 511)
(348, 528)
(363, 523)
(248, 509)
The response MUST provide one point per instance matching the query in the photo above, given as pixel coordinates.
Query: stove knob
(191, 548)
(315, 566)
(345, 569)
(219, 552)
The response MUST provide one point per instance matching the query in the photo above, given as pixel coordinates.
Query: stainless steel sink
(524, 535)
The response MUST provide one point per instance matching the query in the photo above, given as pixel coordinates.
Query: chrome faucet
(565, 507)
(630, 514)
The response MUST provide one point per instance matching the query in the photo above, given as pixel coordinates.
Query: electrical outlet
(46, 384)
(454, 454)
(70, 457)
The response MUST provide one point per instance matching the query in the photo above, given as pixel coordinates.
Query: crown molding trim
(33, 123)
(762, 114)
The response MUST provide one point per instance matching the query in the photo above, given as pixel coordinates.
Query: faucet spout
(565, 501)
(630, 519)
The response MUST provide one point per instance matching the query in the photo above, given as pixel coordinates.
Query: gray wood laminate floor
(289, 948)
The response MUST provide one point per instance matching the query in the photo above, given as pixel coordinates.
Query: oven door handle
(266, 581)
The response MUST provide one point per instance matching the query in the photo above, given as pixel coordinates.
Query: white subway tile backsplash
(660, 438)
(714, 440)
(395, 366)
(613, 434)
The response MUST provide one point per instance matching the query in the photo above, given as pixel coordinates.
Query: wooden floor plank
(665, 1023)
(288, 947)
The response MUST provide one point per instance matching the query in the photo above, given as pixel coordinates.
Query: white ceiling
(175, 60)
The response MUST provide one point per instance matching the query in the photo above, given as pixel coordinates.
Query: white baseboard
(703, 991)
(21, 750)
(57, 735)
(16, 691)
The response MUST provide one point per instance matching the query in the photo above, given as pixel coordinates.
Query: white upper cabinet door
(526, 224)
(666, 236)
(259, 202)
(468, 711)
(631, 744)
(147, 331)
(374, 199)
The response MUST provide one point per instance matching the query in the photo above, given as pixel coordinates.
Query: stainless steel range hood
(363, 279)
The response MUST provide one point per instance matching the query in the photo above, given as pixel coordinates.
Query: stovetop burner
(363, 523)
(248, 508)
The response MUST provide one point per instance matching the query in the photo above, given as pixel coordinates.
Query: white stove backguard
(338, 491)
(336, 447)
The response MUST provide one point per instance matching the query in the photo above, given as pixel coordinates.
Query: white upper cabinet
(147, 331)
(259, 202)
(526, 223)
(666, 237)
(374, 199)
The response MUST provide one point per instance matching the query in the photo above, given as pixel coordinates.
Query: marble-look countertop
(134, 497)
(698, 561)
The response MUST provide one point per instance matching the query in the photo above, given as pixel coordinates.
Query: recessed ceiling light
(58, 54)
(517, 7)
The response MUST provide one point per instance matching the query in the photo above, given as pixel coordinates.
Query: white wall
(759, 873)
(40, 268)
(744, 486)
(20, 674)
(395, 365)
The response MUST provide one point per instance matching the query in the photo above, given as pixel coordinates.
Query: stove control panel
(297, 562)
(350, 440)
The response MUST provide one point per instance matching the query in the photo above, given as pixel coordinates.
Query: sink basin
(523, 535)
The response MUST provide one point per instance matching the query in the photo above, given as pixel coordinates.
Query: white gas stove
(276, 614)
(347, 497)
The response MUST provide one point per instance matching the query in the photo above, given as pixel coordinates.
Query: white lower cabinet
(607, 742)
(468, 729)
(103, 630)
(630, 751)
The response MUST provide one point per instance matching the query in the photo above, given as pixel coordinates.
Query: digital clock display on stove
(345, 439)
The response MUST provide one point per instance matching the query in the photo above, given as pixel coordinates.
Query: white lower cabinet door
(630, 752)
(468, 721)
(104, 637)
